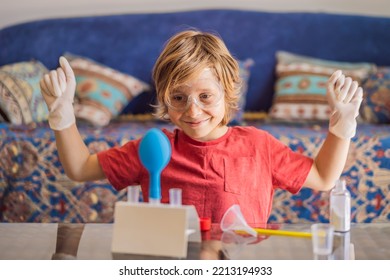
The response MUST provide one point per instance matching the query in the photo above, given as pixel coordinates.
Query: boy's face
(198, 107)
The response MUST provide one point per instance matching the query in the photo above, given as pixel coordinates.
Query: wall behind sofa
(17, 11)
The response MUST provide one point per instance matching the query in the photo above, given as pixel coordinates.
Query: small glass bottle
(340, 207)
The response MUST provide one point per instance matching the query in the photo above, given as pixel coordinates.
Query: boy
(197, 83)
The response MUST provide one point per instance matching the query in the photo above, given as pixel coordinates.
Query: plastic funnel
(233, 220)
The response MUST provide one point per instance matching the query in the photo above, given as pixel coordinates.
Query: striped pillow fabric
(300, 89)
(102, 92)
(21, 101)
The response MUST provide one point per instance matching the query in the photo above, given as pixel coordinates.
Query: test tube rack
(154, 229)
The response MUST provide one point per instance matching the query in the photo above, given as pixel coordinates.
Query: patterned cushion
(13, 103)
(245, 71)
(300, 89)
(101, 91)
(20, 96)
(376, 102)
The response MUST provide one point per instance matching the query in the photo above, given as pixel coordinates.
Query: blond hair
(184, 57)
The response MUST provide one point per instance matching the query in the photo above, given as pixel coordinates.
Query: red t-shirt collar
(184, 137)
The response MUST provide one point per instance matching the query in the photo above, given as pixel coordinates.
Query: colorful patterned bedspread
(34, 188)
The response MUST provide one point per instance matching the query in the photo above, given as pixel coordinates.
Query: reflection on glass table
(364, 241)
(93, 242)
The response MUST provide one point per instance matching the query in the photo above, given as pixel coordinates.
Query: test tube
(175, 197)
(133, 194)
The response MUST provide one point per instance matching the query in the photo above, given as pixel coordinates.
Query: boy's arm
(344, 98)
(78, 163)
(328, 164)
(58, 89)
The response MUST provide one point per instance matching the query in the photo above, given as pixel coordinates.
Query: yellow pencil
(280, 232)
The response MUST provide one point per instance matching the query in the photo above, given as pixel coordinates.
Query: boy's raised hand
(58, 89)
(344, 97)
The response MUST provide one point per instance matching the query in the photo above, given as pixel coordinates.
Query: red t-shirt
(242, 167)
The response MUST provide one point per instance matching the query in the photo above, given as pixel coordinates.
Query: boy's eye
(205, 96)
(177, 97)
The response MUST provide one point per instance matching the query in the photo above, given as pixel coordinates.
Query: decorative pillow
(101, 91)
(245, 68)
(13, 103)
(20, 95)
(300, 89)
(376, 102)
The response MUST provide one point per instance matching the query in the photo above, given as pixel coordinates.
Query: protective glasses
(181, 102)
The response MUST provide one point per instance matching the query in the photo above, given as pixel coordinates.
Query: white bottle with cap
(340, 207)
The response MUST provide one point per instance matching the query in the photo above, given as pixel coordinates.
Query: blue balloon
(155, 152)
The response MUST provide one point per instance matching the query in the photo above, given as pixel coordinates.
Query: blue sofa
(33, 187)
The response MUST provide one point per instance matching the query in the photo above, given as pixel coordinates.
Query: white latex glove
(344, 97)
(58, 89)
